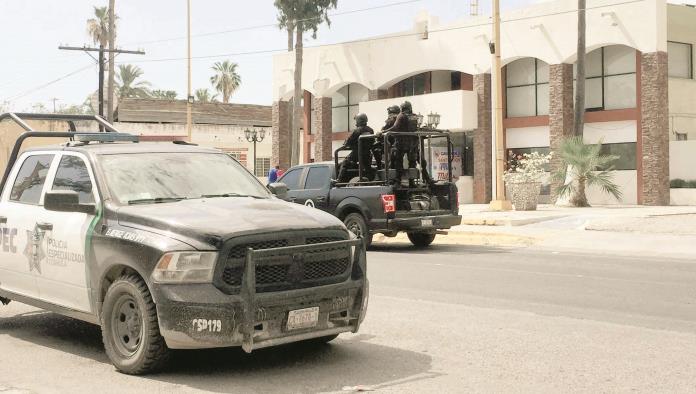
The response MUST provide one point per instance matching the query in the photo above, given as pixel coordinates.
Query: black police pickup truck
(420, 208)
(170, 246)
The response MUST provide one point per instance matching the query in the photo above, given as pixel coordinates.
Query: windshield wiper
(156, 200)
(228, 195)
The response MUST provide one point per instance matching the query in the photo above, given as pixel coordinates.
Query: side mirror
(66, 201)
(279, 189)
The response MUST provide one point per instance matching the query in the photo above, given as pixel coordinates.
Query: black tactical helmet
(393, 110)
(406, 107)
(360, 119)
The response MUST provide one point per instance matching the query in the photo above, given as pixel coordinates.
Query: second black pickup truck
(367, 208)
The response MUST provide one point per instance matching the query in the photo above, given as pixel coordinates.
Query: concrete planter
(682, 196)
(524, 195)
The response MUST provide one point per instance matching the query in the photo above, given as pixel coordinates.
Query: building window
(412, 86)
(680, 60)
(455, 80)
(527, 88)
(626, 152)
(240, 156)
(610, 78)
(344, 106)
(263, 166)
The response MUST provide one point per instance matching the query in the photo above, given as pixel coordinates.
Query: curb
(508, 221)
(467, 238)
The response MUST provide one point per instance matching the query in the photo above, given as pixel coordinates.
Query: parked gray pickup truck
(170, 246)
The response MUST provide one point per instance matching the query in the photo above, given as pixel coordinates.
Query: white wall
(682, 160)
(540, 31)
(457, 109)
(610, 132)
(465, 186)
(527, 137)
(627, 181)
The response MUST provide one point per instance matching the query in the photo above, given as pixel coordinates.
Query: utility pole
(580, 84)
(100, 62)
(112, 45)
(500, 203)
(54, 104)
(189, 96)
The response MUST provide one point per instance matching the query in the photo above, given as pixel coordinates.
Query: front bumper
(201, 316)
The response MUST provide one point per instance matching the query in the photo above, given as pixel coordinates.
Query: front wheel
(130, 328)
(421, 240)
(357, 225)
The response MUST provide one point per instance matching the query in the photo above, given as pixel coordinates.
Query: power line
(32, 90)
(394, 36)
(271, 24)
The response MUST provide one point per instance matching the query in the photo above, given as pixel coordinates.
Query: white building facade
(640, 90)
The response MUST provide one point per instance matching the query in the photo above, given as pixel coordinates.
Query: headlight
(185, 267)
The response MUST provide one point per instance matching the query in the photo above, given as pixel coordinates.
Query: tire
(357, 225)
(421, 240)
(128, 302)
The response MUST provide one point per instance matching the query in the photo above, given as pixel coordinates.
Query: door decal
(34, 251)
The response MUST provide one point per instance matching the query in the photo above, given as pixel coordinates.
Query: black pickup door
(309, 185)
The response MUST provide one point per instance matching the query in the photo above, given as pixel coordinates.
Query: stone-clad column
(483, 172)
(560, 112)
(322, 129)
(653, 147)
(280, 134)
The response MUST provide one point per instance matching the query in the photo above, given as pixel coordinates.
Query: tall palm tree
(204, 96)
(300, 16)
(98, 27)
(588, 167)
(128, 85)
(226, 80)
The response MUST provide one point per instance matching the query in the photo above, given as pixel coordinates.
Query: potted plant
(523, 179)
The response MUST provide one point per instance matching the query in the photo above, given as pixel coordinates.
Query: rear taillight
(388, 203)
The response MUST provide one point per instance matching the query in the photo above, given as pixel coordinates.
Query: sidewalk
(668, 231)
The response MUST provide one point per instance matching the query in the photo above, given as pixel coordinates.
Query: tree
(82, 109)
(579, 121)
(163, 94)
(226, 80)
(587, 166)
(127, 83)
(301, 16)
(204, 96)
(99, 29)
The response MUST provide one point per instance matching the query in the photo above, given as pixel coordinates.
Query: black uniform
(351, 161)
(378, 146)
(404, 145)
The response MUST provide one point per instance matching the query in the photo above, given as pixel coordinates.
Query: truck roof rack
(111, 134)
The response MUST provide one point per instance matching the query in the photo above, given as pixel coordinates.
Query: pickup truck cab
(171, 246)
(421, 209)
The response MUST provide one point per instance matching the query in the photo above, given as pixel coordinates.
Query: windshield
(142, 178)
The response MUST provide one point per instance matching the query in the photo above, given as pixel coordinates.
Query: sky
(34, 70)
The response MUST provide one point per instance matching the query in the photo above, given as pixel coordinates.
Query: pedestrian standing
(280, 172)
(273, 174)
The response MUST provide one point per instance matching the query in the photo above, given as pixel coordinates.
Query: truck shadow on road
(351, 360)
(405, 247)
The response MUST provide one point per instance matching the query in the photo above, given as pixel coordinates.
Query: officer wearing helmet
(365, 159)
(378, 146)
(406, 122)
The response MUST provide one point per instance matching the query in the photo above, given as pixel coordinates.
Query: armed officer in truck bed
(406, 122)
(378, 146)
(365, 159)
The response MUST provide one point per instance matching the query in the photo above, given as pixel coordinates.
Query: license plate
(303, 318)
(427, 222)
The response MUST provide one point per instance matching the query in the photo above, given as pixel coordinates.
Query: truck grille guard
(260, 257)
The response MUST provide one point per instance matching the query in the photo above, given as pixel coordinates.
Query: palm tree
(98, 27)
(588, 167)
(300, 16)
(226, 80)
(204, 96)
(127, 84)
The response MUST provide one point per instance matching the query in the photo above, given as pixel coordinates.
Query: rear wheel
(421, 240)
(130, 328)
(355, 222)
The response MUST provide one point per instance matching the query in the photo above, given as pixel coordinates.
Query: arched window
(527, 88)
(344, 105)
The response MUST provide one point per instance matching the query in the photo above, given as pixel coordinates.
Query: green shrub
(682, 184)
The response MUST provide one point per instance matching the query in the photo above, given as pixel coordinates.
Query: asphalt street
(450, 319)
